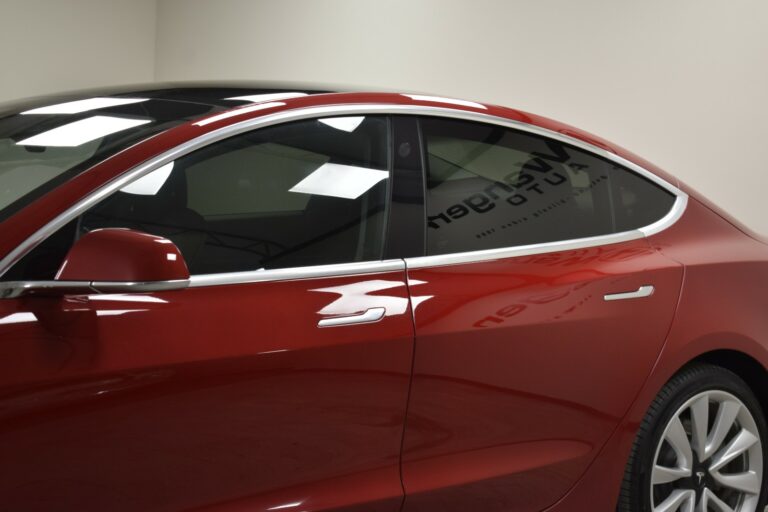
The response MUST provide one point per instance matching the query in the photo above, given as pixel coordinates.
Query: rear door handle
(368, 316)
(643, 291)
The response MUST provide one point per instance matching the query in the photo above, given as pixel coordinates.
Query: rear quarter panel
(723, 305)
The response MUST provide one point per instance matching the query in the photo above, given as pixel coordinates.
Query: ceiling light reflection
(346, 124)
(128, 298)
(355, 297)
(239, 112)
(273, 351)
(257, 98)
(450, 101)
(82, 131)
(417, 300)
(337, 180)
(287, 505)
(149, 184)
(18, 318)
(117, 312)
(76, 107)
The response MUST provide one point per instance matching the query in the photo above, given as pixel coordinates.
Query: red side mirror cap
(123, 255)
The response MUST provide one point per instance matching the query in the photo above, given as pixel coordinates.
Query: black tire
(688, 383)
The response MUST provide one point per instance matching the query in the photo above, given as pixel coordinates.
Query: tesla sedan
(231, 297)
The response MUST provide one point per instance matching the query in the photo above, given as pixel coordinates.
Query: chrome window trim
(678, 208)
(441, 260)
(294, 273)
(13, 289)
(139, 286)
(359, 109)
(460, 258)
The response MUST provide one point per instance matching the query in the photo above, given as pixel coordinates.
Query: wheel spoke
(745, 482)
(726, 415)
(712, 432)
(700, 424)
(710, 498)
(738, 445)
(664, 475)
(679, 500)
(678, 439)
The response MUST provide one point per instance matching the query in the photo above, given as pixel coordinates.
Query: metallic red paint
(123, 255)
(531, 334)
(721, 309)
(230, 398)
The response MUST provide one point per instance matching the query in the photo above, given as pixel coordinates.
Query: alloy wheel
(709, 458)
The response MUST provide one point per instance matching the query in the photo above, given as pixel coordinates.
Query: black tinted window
(490, 187)
(304, 193)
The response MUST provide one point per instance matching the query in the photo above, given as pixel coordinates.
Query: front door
(277, 381)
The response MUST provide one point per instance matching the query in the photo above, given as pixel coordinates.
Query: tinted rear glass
(490, 187)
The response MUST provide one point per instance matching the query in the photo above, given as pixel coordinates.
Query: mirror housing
(123, 255)
(111, 260)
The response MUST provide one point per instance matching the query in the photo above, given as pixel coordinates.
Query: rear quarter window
(491, 187)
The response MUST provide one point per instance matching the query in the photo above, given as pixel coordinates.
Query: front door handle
(643, 291)
(368, 316)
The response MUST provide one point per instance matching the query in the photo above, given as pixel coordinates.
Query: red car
(238, 297)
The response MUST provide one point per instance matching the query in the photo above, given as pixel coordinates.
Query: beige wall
(56, 45)
(682, 82)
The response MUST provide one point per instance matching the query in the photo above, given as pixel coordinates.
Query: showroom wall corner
(48, 47)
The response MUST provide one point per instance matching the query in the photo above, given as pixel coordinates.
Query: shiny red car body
(502, 385)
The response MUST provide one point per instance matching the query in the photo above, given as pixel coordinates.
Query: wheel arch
(741, 359)
(745, 366)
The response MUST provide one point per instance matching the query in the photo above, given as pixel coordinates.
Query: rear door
(277, 381)
(539, 310)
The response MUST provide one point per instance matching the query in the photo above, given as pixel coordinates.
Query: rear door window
(491, 187)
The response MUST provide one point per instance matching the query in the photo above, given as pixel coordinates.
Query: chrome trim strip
(139, 287)
(643, 291)
(291, 274)
(13, 289)
(442, 260)
(333, 110)
(369, 316)
(669, 219)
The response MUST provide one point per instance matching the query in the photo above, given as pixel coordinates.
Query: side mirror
(123, 255)
(112, 260)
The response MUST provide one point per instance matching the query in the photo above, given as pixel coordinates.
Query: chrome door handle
(643, 291)
(368, 316)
